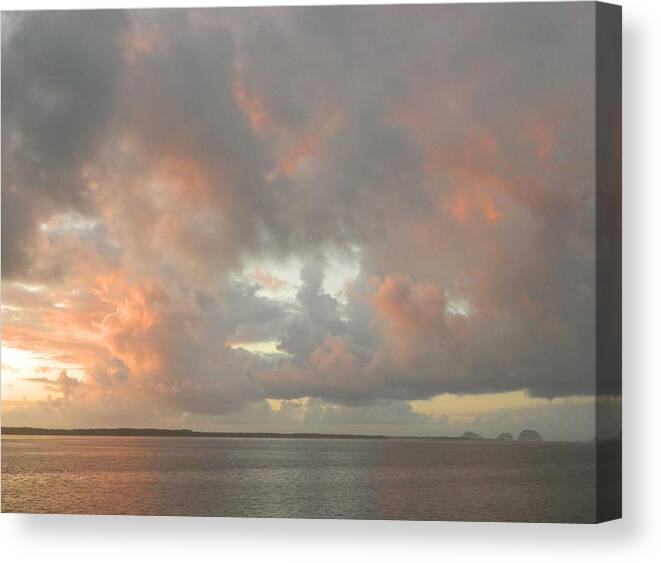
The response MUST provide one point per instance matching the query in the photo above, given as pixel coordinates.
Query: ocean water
(407, 479)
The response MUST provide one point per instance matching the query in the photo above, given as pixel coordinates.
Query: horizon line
(185, 432)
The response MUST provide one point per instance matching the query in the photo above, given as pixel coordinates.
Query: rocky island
(529, 436)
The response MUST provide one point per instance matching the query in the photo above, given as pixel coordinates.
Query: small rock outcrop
(529, 436)
(505, 436)
(468, 435)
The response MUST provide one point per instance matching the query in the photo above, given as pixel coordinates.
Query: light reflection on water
(300, 478)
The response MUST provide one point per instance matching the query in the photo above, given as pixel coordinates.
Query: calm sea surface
(300, 478)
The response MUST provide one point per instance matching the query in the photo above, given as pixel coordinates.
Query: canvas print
(313, 262)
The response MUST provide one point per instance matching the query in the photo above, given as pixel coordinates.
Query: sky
(343, 219)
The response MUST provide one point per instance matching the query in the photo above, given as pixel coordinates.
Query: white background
(635, 538)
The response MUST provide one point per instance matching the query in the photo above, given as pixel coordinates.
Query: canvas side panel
(608, 35)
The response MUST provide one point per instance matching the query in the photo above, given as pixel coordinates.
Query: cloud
(274, 283)
(62, 383)
(155, 163)
(60, 77)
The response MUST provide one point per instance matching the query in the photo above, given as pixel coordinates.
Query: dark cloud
(60, 72)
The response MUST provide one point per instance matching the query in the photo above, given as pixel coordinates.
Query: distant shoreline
(186, 433)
